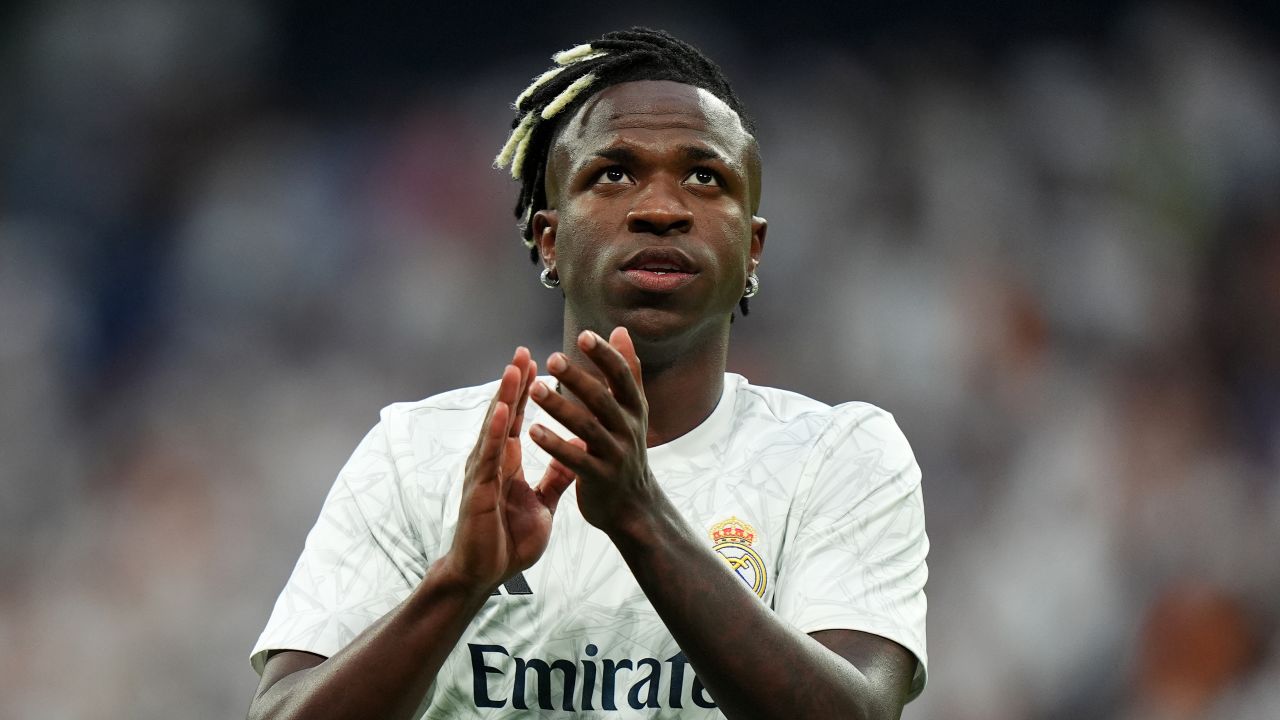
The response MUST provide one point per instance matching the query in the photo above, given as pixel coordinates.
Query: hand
(503, 524)
(614, 481)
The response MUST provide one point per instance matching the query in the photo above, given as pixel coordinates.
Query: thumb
(557, 479)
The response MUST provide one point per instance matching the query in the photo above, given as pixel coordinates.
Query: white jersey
(817, 508)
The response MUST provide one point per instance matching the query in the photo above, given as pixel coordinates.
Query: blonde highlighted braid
(582, 71)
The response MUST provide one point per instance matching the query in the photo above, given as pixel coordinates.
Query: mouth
(660, 261)
(659, 269)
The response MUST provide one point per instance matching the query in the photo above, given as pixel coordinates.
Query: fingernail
(556, 362)
(588, 339)
(535, 431)
(538, 391)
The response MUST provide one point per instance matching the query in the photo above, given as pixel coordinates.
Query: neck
(683, 381)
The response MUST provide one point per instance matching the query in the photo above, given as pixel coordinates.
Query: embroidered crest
(732, 541)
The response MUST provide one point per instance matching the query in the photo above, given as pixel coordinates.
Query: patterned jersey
(818, 509)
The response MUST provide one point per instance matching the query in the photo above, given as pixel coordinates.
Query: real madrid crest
(732, 541)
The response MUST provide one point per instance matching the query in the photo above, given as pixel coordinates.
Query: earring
(548, 280)
(753, 286)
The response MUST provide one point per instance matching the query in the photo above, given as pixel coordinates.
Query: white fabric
(833, 494)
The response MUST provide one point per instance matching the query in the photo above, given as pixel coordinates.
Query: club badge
(732, 541)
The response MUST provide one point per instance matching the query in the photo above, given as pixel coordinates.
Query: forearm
(386, 671)
(753, 664)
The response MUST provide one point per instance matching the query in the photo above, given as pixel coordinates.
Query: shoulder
(452, 408)
(778, 406)
(848, 432)
(460, 399)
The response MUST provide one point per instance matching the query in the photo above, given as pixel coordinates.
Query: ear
(544, 235)
(759, 226)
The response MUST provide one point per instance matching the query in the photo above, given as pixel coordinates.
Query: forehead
(653, 112)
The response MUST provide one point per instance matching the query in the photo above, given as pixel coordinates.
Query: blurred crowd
(1057, 264)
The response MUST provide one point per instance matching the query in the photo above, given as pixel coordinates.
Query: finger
(521, 360)
(590, 391)
(557, 479)
(577, 419)
(510, 464)
(614, 366)
(572, 455)
(509, 391)
(497, 395)
(489, 452)
(526, 383)
(620, 339)
(502, 394)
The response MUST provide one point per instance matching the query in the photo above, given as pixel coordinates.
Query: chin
(657, 326)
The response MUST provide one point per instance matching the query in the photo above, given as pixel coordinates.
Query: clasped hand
(611, 417)
(504, 524)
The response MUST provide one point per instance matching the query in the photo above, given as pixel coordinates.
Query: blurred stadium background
(1046, 237)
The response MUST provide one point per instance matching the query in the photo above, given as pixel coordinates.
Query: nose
(659, 210)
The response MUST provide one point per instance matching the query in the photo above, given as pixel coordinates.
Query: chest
(739, 508)
(575, 629)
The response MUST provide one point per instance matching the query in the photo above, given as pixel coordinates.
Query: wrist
(446, 576)
(646, 526)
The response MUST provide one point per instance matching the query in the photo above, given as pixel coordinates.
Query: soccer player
(638, 533)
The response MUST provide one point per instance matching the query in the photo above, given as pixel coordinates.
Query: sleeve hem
(922, 661)
(258, 658)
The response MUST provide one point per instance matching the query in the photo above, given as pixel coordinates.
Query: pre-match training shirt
(818, 509)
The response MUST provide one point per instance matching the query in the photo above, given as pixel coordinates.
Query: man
(650, 536)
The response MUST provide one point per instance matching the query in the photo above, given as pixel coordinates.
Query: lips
(661, 260)
(659, 269)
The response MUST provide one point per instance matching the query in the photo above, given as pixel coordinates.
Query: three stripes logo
(515, 585)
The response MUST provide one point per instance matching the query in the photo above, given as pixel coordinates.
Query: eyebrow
(627, 156)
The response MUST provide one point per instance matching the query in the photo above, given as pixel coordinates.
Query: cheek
(738, 232)
(737, 255)
(578, 246)
(737, 242)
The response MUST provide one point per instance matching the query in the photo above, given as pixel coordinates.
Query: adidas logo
(515, 585)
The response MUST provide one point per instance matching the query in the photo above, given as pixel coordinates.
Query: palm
(528, 521)
(504, 524)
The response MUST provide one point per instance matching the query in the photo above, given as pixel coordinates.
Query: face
(652, 187)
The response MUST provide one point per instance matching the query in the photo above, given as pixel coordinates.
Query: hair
(615, 58)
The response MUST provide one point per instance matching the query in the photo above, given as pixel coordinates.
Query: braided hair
(615, 58)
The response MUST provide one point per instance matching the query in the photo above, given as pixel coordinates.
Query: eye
(703, 176)
(613, 176)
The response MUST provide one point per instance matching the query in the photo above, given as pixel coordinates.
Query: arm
(503, 527)
(386, 671)
(724, 630)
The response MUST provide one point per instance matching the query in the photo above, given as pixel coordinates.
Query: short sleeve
(360, 560)
(854, 558)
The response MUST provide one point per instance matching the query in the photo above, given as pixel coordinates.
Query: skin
(641, 164)
(656, 135)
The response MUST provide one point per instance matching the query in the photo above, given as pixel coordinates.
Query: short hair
(580, 72)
